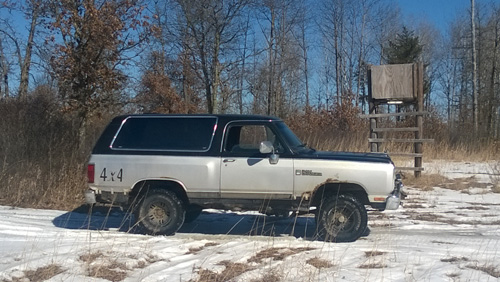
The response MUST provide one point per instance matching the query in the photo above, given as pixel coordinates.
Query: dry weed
(425, 182)
(277, 253)
(268, 277)
(372, 265)
(455, 259)
(40, 274)
(230, 271)
(198, 249)
(91, 257)
(453, 275)
(495, 178)
(319, 263)
(488, 269)
(370, 254)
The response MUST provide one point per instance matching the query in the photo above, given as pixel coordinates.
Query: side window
(165, 134)
(245, 139)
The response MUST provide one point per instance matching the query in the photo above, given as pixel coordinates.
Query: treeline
(243, 56)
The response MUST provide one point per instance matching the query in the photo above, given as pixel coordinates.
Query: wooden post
(372, 110)
(373, 126)
(419, 118)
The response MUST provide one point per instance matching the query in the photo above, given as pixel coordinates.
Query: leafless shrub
(319, 263)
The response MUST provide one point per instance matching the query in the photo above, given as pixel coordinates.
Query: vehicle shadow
(95, 218)
(213, 222)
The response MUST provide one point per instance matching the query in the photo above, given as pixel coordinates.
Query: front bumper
(394, 200)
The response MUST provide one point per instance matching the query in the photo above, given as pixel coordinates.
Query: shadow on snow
(213, 222)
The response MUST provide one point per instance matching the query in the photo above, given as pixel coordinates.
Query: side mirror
(266, 147)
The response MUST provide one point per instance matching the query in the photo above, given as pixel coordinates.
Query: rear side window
(165, 133)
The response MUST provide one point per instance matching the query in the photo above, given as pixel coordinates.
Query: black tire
(192, 213)
(341, 219)
(160, 212)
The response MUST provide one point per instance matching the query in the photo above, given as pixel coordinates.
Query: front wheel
(341, 219)
(160, 212)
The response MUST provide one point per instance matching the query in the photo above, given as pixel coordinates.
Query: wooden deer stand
(397, 84)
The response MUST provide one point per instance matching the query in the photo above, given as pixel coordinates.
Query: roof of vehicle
(222, 117)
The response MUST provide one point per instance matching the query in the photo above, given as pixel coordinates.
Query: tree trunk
(474, 70)
(25, 67)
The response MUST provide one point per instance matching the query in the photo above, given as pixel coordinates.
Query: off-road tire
(341, 218)
(160, 212)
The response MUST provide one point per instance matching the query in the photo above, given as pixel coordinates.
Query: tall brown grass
(42, 164)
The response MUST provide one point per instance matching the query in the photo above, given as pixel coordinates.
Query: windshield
(293, 141)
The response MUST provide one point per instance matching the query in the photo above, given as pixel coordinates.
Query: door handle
(228, 160)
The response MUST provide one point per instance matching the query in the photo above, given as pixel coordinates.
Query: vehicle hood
(347, 156)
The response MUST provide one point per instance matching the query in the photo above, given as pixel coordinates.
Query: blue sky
(438, 12)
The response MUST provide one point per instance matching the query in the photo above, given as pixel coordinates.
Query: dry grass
(373, 265)
(107, 266)
(230, 271)
(495, 178)
(198, 249)
(370, 254)
(277, 253)
(488, 269)
(40, 274)
(268, 277)
(425, 182)
(319, 263)
(42, 161)
(428, 181)
(455, 259)
(99, 265)
(112, 272)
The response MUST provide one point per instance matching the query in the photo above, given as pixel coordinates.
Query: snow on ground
(438, 235)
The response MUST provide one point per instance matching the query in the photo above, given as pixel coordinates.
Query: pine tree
(405, 49)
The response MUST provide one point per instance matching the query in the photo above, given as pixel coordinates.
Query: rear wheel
(341, 219)
(160, 212)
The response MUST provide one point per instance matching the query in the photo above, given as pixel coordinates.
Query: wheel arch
(143, 186)
(329, 189)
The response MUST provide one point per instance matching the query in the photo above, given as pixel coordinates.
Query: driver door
(247, 173)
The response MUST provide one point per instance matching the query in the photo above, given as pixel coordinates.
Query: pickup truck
(167, 168)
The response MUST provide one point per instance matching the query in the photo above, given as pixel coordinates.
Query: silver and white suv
(167, 168)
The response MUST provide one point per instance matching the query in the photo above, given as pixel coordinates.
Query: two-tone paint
(213, 175)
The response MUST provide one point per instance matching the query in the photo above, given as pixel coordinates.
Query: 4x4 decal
(113, 174)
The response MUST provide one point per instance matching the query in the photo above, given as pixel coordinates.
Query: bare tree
(474, 67)
(211, 28)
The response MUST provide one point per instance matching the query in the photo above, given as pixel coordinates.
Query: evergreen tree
(405, 49)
